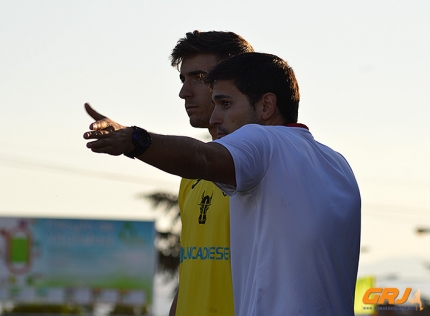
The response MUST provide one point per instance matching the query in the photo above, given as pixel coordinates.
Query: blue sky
(362, 67)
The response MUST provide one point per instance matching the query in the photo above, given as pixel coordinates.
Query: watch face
(141, 141)
(141, 138)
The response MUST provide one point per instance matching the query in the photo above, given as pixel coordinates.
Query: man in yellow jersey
(205, 282)
(205, 285)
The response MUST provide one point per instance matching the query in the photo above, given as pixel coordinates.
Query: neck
(276, 120)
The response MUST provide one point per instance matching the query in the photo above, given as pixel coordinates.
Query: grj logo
(391, 295)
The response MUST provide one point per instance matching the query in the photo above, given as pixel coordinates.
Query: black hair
(223, 44)
(255, 74)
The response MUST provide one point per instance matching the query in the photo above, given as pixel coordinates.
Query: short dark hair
(255, 74)
(222, 44)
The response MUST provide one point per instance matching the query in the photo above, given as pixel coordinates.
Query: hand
(111, 138)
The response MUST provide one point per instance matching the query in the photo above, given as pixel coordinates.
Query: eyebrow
(193, 73)
(197, 72)
(221, 96)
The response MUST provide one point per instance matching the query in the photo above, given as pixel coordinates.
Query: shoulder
(254, 137)
(249, 132)
(186, 184)
(191, 186)
(251, 129)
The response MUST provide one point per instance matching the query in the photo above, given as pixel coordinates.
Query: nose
(186, 91)
(216, 117)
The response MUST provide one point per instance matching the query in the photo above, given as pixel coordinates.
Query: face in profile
(194, 91)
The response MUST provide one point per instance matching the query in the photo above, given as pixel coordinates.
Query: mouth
(190, 105)
(190, 108)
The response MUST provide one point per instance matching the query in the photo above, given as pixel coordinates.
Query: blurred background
(363, 68)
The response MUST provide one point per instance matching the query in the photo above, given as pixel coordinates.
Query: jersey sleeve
(251, 149)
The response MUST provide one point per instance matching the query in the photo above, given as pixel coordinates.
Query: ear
(268, 105)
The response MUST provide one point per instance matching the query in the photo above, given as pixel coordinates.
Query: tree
(167, 239)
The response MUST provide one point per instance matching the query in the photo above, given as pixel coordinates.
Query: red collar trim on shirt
(297, 125)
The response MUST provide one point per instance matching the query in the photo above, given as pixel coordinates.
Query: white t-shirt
(294, 224)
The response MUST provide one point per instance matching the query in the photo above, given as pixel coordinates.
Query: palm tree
(167, 240)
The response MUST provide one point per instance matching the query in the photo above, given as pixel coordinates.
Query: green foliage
(167, 242)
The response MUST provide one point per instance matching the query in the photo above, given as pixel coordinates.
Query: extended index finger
(93, 113)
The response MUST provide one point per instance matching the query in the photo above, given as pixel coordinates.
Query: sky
(363, 69)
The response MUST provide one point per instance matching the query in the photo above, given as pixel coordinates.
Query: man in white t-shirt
(295, 204)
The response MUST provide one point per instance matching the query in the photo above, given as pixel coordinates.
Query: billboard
(56, 261)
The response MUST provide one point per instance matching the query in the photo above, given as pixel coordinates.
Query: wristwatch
(141, 141)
